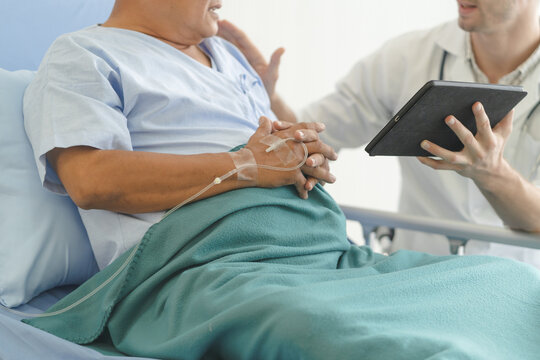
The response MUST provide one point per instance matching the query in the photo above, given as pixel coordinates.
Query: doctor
(495, 179)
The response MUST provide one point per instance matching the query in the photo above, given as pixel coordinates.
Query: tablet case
(422, 117)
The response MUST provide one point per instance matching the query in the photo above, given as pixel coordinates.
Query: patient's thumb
(265, 126)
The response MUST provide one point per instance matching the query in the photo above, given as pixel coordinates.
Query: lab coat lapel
(531, 85)
(457, 66)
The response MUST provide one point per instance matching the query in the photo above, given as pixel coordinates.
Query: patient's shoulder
(73, 45)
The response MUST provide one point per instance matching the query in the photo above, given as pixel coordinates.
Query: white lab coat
(379, 85)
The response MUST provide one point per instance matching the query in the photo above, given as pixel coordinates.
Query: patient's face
(491, 15)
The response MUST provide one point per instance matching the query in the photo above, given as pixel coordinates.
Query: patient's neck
(188, 47)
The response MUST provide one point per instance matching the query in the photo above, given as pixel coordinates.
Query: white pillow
(43, 243)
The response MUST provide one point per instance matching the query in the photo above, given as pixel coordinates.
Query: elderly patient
(133, 116)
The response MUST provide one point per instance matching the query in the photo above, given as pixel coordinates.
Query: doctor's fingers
(484, 133)
(450, 157)
(239, 38)
(504, 127)
(465, 136)
(440, 164)
(271, 75)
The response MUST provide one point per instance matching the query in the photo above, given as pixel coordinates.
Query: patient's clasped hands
(315, 169)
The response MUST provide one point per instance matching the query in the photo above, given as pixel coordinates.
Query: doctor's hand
(316, 163)
(268, 72)
(289, 156)
(482, 156)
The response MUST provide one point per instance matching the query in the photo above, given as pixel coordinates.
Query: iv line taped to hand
(274, 143)
(220, 179)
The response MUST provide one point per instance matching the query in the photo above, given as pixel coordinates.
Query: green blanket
(261, 274)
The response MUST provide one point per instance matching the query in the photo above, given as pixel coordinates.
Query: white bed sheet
(22, 341)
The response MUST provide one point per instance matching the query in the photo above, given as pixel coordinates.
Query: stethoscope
(524, 127)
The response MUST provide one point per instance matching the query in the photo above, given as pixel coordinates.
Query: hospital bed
(27, 28)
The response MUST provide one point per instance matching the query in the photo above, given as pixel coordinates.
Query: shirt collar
(457, 42)
(452, 39)
(528, 65)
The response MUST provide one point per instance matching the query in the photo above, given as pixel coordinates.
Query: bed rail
(457, 232)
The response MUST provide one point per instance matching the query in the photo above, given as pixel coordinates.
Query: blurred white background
(323, 39)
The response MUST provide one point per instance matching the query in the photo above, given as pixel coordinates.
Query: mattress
(21, 341)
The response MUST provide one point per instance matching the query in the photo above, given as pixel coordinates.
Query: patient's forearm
(516, 201)
(138, 182)
(281, 109)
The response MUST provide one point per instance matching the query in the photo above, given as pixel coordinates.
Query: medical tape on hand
(245, 162)
(279, 147)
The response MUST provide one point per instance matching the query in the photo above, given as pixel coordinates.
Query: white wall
(323, 39)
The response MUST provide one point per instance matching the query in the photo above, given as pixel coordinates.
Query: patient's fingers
(265, 127)
(281, 125)
(299, 184)
(284, 125)
(317, 126)
(320, 173)
(306, 135)
(311, 182)
(319, 147)
(316, 160)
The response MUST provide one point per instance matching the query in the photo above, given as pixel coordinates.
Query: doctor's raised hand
(268, 71)
(515, 200)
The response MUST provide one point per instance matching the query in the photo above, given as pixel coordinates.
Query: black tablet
(422, 117)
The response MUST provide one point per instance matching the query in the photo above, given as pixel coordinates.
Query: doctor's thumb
(275, 60)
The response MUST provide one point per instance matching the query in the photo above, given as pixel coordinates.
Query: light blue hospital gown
(112, 88)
